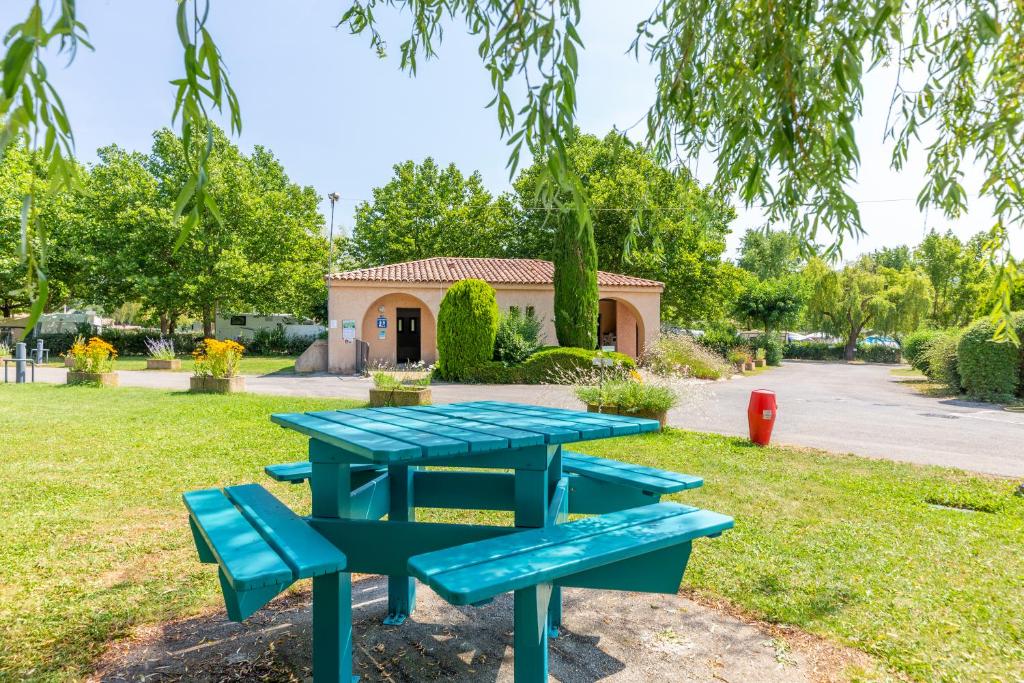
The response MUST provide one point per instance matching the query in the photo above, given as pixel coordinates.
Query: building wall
(359, 301)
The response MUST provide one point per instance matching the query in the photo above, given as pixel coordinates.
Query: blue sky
(339, 118)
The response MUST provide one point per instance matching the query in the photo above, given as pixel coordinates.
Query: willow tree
(770, 89)
(864, 296)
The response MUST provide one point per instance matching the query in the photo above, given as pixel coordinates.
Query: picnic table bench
(366, 464)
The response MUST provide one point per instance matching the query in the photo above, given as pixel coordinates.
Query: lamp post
(334, 197)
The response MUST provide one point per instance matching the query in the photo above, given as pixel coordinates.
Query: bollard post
(39, 352)
(19, 363)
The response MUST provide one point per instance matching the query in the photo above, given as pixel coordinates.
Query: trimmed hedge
(545, 366)
(869, 353)
(940, 359)
(719, 340)
(915, 348)
(989, 370)
(467, 323)
(126, 342)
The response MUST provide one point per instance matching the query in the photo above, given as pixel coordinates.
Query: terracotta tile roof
(493, 270)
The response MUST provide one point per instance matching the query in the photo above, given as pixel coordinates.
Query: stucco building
(393, 308)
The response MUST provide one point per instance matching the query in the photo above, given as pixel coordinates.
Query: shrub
(719, 340)
(812, 351)
(274, 342)
(388, 382)
(467, 324)
(679, 354)
(517, 338)
(214, 358)
(772, 348)
(915, 348)
(989, 370)
(551, 365)
(575, 282)
(878, 353)
(628, 396)
(869, 353)
(125, 342)
(941, 360)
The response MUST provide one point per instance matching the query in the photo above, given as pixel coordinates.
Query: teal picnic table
(368, 464)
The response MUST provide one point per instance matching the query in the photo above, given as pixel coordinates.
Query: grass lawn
(250, 365)
(94, 538)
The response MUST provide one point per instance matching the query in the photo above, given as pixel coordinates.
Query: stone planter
(216, 385)
(100, 379)
(413, 396)
(761, 362)
(69, 361)
(748, 366)
(163, 364)
(660, 415)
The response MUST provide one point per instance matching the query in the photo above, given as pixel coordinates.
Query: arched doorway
(399, 329)
(619, 325)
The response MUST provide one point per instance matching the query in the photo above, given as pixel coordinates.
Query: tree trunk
(207, 322)
(850, 352)
(164, 326)
(172, 323)
(7, 307)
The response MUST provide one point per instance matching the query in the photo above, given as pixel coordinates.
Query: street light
(334, 197)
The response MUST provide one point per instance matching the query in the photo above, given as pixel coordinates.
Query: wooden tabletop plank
(517, 438)
(618, 428)
(645, 424)
(431, 445)
(586, 430)
(364, 444)
(478, 442)
(553, 431)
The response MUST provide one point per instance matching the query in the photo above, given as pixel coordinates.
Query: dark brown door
(407, 335)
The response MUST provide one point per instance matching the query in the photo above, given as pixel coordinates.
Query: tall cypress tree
(576, 296)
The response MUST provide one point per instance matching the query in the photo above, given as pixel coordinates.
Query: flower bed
(92, 362)
(216, 367)
(390, 391)
(627, 397)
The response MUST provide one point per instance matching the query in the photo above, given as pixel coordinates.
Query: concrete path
(861, 409)
(607, 636)
(864, 409)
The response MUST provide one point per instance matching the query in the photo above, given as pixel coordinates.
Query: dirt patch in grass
(628, 636)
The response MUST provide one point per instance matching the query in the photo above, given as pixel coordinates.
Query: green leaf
(16, 64)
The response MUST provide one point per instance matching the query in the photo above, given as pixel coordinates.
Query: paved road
(859, 409)
(863, 409)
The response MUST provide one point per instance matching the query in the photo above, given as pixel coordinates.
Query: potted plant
(390, 391)
(216, 367)
(739, 358)
(92, 363)
(625, 397)
(760, 358)
(69, 360)
(161, 355)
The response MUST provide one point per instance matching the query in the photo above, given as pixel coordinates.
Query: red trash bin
(761, 413)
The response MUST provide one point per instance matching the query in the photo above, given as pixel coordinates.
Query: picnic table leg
(401, 589)
(531, 634)
(332, 593)
(555, 604)
(332, 628)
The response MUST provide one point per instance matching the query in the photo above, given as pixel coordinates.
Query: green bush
(629, 396)
(517, 338)
(467, 323)
(551, 365)
(877, 353)
(575, 282)
(127, 342)
(915, 348)
(812, 351)
(772, 348)
(940, 359)
(274, 342)
(719, 340)
(989, 370)
(869, 353)
(679, 354)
